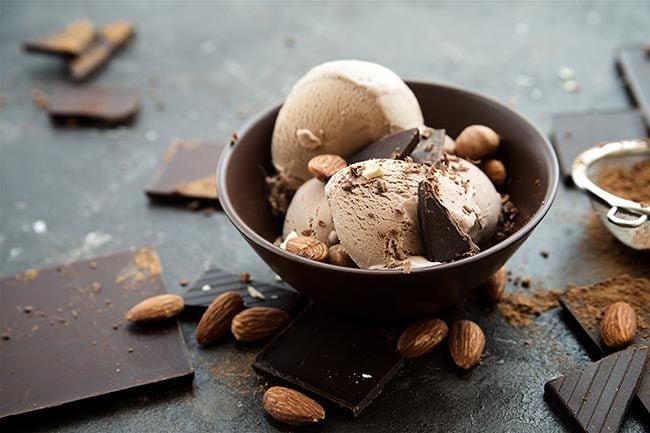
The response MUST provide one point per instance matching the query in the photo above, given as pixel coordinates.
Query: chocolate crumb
(28, 309)
(184, 282)
(5, 336)
(130, 350)
(544, 254)
(245, 277)
(525, 282)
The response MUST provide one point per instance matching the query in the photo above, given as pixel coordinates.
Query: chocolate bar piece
(335, 359)
(65, 338)
(396, 146)
(187, 172)
(442, 238)
(98, 106)
(110, 38)
(215, 281)
(596, 397)
(72, 41)
(575, 132)
(580, 310)
(634, 66)
(431, 146)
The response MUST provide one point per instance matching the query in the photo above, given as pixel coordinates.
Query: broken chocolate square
(442, 238)
(339, 360)
(186, 173)
(93, 106)
(595, 398)
(72, 41)
(67, 339)
(214, 282)
(396, 146)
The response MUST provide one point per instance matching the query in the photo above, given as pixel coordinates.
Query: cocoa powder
(632, 183)
(589, 302)
(520, 309)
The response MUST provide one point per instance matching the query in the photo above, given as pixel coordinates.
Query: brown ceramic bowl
(392, 295)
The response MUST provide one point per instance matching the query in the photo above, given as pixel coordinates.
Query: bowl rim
(521, 233)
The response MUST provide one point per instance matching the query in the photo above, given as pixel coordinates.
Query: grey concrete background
(202, 69)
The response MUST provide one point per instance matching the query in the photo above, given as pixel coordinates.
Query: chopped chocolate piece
(596, 398)
(585, 304)
(443, 239)
(431, 147)
(397, 146)
(576, 132)
(186, 173)
(214, 282)
(109, 39)
(94, 106)
(72, 41)
(634, 66)
(336, 359)
(73, 357)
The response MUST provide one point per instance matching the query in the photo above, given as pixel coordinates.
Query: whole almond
(466, 343)
(215, 322)
(477, 142)
(324, 166)
(421, 338)
(338, 256)
(308, 247)
(495, 171)
(292, 407)
(159, 307)
(494, 287)
(618, 326)
(258, 323)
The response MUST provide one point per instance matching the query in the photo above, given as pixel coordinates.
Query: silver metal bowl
(628, 220)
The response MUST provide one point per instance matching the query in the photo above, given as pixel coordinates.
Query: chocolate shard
(575, 132)
(595, 398)
(200, 294)
(71, 41)
(110, 38)
(431, 146)
(96, 106)
(334, 359)
(396, 146)
(69, 340)
(442, 238)
(634, 65)
(593, 336)
(186, 173)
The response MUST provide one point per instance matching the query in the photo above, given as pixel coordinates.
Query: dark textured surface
(202, 68)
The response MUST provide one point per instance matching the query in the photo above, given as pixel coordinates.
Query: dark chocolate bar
(574, 133)
(110, 38)
(214, 282)
(596, 397)
(443, 240)
(634, 66)
(71, 41)
(396, 146)
(187, 172)
(335, 359)
(65, 338)
(97, 106)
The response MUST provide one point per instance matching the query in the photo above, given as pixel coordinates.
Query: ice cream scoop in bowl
(393, 294)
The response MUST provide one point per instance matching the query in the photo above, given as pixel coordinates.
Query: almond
(495, 170)
(324, 166)
(292, 407)
(421, 338)
(215, 322)
(258, 323)
(338, 256)
(466, 343)
(308, 247)
(159, 307)
(495, 285)
(618, 326)
(477, 142)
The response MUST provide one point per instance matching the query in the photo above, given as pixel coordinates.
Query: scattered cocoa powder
(588, 303)
(520, 309)
(632, 183)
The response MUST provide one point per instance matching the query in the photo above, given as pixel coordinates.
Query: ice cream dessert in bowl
(382, 198)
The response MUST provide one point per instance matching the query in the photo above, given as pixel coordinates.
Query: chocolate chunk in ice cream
(395, 146)
(442, 239)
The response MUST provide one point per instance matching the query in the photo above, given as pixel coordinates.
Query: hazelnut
(495, 170)
(477, 142)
